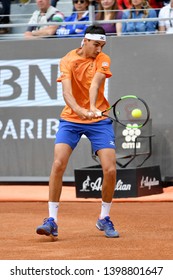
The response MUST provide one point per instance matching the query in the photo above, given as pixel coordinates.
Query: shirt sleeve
(57, 17)
(103, 64)
(64, 69)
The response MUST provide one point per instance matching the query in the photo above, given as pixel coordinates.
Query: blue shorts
(101, 134)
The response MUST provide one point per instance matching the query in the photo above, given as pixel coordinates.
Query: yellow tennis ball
(136, 113)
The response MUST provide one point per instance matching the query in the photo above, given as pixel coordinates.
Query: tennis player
(83, 74)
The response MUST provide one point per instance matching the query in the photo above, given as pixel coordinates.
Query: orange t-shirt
(81, 72)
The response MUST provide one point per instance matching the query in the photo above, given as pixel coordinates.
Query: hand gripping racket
(130, 111)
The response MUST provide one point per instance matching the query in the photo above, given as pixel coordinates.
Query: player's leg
(102, 137)
(108, 163)
(67, 137)
(62, 153)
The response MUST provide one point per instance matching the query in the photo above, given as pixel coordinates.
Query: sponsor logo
(89, 185)
(130, 135)
(112, 143)
(96, 185)
(149, 182)
(30, 82)
(120, 186)
(29, 128)
(105, 64)
(102, 37)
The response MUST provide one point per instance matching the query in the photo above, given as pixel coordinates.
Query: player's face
(93, 48)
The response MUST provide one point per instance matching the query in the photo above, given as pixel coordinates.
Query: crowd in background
(105, 10)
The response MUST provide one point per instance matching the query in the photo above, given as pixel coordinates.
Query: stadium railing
(20, 14)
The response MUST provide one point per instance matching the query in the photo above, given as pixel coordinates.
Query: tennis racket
(130, 111)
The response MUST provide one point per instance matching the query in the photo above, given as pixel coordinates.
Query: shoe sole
(108, 236)
(44, 232)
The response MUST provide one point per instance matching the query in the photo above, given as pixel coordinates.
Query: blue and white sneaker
(107, 226)
(49, 227)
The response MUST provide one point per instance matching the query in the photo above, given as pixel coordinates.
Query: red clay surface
(146, 232)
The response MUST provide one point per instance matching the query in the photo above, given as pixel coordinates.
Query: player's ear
(84, 40)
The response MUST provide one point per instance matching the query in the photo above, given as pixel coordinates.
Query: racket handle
(99, 113)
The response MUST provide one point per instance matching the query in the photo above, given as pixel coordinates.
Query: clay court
(145, 226)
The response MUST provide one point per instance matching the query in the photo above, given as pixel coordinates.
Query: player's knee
(59, 165)
(110, 171)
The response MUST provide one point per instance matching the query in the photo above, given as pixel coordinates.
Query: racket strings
(123, 112)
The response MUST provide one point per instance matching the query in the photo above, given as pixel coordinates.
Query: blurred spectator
(140, 9)
(24, 1)
(124, 4)
(166, 26)
(5, 15)
(80, 13)
(53, 3)
(45, 14)
(108, 10)
(94, 3)
(156, 4)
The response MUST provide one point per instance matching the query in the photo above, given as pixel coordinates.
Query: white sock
(105, 209)
(53, 210)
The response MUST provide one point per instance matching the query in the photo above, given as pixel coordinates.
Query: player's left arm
(71, 101)
(103, 71)
(98, 79)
